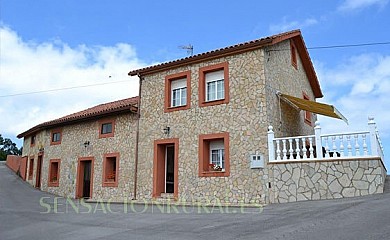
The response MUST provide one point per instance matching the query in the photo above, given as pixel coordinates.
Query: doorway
(84, 184)
(165, 167)
(169, 168)
(39, 171)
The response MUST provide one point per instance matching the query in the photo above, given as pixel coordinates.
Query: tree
(7, 147)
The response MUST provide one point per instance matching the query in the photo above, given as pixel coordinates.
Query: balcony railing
(352, 145)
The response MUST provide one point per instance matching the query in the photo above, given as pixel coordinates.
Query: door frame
(159, 169)
(38, 174)
(80, 176)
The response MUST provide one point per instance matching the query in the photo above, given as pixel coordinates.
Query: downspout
(137, 139)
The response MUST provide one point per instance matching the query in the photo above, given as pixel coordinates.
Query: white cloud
(286, 25)
(353, 5)
(28, 66)
(359, 88)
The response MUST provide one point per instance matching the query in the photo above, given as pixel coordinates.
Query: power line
(336, 46)
(107, 83)
(61, 89)
(350, 45)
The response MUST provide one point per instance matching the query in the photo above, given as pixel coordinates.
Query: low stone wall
(326, 179)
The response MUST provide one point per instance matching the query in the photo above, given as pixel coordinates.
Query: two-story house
(216, 127)
(205, 117)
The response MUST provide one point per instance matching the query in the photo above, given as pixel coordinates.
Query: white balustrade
(360, 144)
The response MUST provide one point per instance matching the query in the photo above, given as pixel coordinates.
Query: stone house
(85, 154)
(200, 132)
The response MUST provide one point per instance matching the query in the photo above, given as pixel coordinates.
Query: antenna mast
(189, 48)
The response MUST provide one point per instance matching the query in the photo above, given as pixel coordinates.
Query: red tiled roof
(243, 47)
(120, 106)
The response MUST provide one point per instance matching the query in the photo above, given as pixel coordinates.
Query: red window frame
(55, 131)
(204, 154)
(294, 60)
(109, 174)
(106, 135)
(54, 173)
(307, 115)
(168, 91)
(202, 84)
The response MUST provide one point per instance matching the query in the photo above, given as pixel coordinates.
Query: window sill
(55, 143)
(110, 184)
(178, 108)
(107, 135)
(53, 184)
(213, 102)
(295, 65)
(214, 174)
(308, 122)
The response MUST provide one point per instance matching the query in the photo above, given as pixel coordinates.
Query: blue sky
(59, 44)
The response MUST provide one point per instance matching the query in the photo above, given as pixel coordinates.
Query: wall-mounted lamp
(86, 144)
(167, 130)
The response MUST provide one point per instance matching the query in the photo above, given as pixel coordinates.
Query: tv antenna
(189, 48)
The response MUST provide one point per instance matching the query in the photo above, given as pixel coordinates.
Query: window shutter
(214, 76)
(179, 83)
(217, 145)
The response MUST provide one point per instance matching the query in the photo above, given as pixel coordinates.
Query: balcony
(352, 145)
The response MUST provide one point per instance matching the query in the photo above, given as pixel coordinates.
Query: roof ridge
(214, 51)
(95, 111)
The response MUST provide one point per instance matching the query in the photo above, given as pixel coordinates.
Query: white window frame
(179, 87)
(218, 147)
(216, 80)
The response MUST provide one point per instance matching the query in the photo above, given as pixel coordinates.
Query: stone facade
(255, 74)
(254, 77)
(282, 76)
(326, 179)
(72, 148)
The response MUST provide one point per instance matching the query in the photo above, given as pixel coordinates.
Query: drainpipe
(137, 139)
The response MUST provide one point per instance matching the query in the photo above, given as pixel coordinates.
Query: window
(214, 155)
(106, 128)
(217, 154)
(110, 169)
(54, 173)
(56, 136)
(293, 55)
(307, 114)
(31, 169)
(214, 84)
(32, 142)
(177, 91)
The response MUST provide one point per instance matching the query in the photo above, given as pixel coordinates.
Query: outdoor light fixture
(86, 144)
(167, 130)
